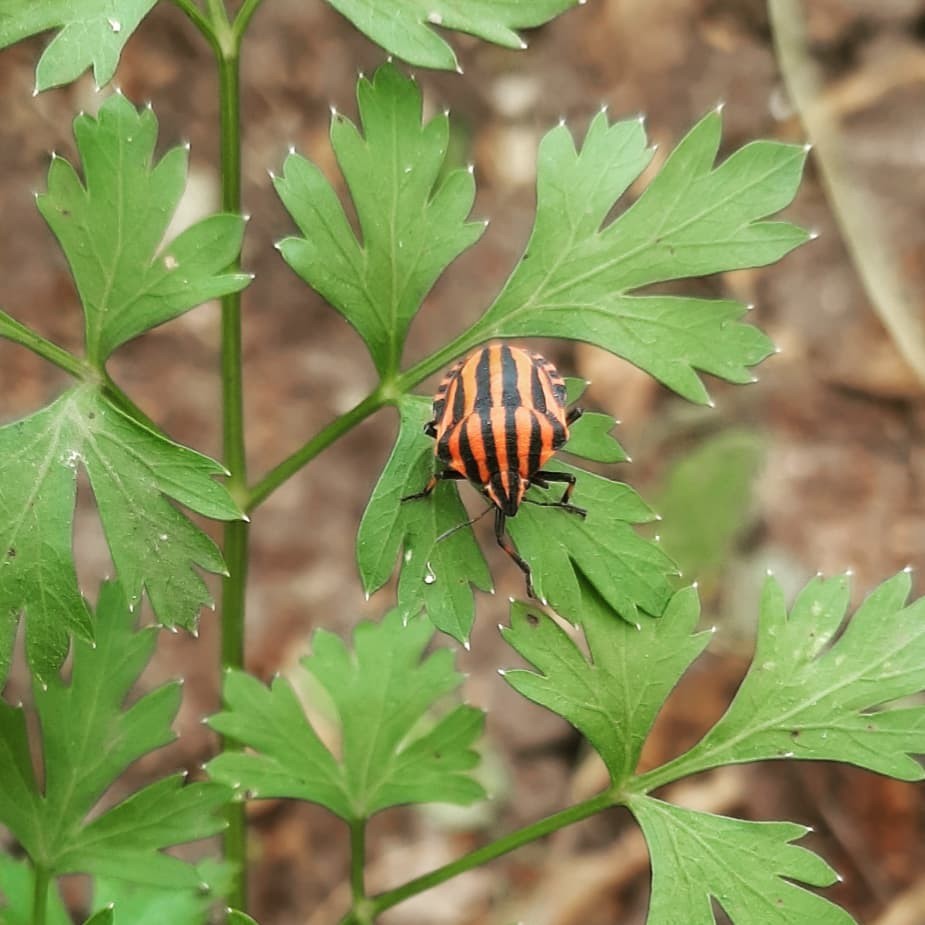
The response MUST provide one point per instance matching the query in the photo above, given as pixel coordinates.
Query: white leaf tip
(719, 107)
(769, 572)
(510, 599)
(187, 145)
(459, 69)
(808, 147)
(908, 569)
(813, 234)
(291, 149)
(270, 173)
(467, 645)
(502, 672)
(711, 403)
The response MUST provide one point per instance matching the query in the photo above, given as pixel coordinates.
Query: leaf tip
(502, 672)
(813, 233)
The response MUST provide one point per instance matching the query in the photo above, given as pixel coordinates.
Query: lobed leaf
(747, 867)
(111, 228)
(577, 278)
(136, 904)
(382, 690)
(633, 575)
(133, 472)
(93, 34)
(88, 739)
(409, 30)
(435, 576)
(613, 697)
(412, 218)
(808, 697)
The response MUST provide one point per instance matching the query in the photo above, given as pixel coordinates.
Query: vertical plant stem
(357, 859)
(40, 895)
(236, 533)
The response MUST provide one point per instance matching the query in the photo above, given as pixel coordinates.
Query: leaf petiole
(494, 850)
(196, 17)
(12, 330)
(40, 895)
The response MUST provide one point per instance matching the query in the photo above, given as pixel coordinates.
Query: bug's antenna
(467, 523)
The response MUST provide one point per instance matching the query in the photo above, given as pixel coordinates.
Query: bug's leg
(543, 479)
(432, 483)
(574, 415)
(430, 428)
(508, 547)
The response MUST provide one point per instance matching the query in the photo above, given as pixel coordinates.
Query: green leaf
(590, 438)
(389, 755)
(88, 740)
(103, 917)
(133, 472)
(407, 29)
(435, 576)
(133, 904)
(412, 221)
(747, 867)
(17, 888)
(240, 918)
(807, 697)
(613, 697)
(578, 278)
(705, 502)
(93, 34)
(633, 575)
(111, 228)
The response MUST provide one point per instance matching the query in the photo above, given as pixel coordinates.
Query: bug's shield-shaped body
(499, 415)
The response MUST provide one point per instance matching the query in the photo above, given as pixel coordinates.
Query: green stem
(357, 859)
(245, 14)
(40, 895)
(306, 453)
(497, 848)
(234, 451)
(18, 333)
(196, 17)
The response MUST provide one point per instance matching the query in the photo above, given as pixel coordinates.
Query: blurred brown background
(818, 466)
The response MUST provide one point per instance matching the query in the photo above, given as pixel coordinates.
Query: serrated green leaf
(807, 697)
(133, 472)
(590, 437)
(577, 279)
(240, 918)
(747, 867)
(88, 740)
(134, 904)
(633, 575)
(412, 223)
(112, 226)
(613, 697)
(93, 34)
(382, 691)
(435, 576)
(17, 894)
(407, 30)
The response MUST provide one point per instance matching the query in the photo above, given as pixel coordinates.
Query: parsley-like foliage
(381, 691)
(93, 34)
(88, 739)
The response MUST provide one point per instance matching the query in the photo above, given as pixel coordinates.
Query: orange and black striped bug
(499, 416)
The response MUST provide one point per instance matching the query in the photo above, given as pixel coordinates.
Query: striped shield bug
(499, 416)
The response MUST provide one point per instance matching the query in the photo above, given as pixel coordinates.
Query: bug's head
(506, 490)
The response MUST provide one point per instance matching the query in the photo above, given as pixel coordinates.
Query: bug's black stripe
(466, 455)
(488, 436)
(510, 437)
(459, 399)
(537, 395)
(536, 444)
(510, 393)
(483, 382)
(558, 431)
